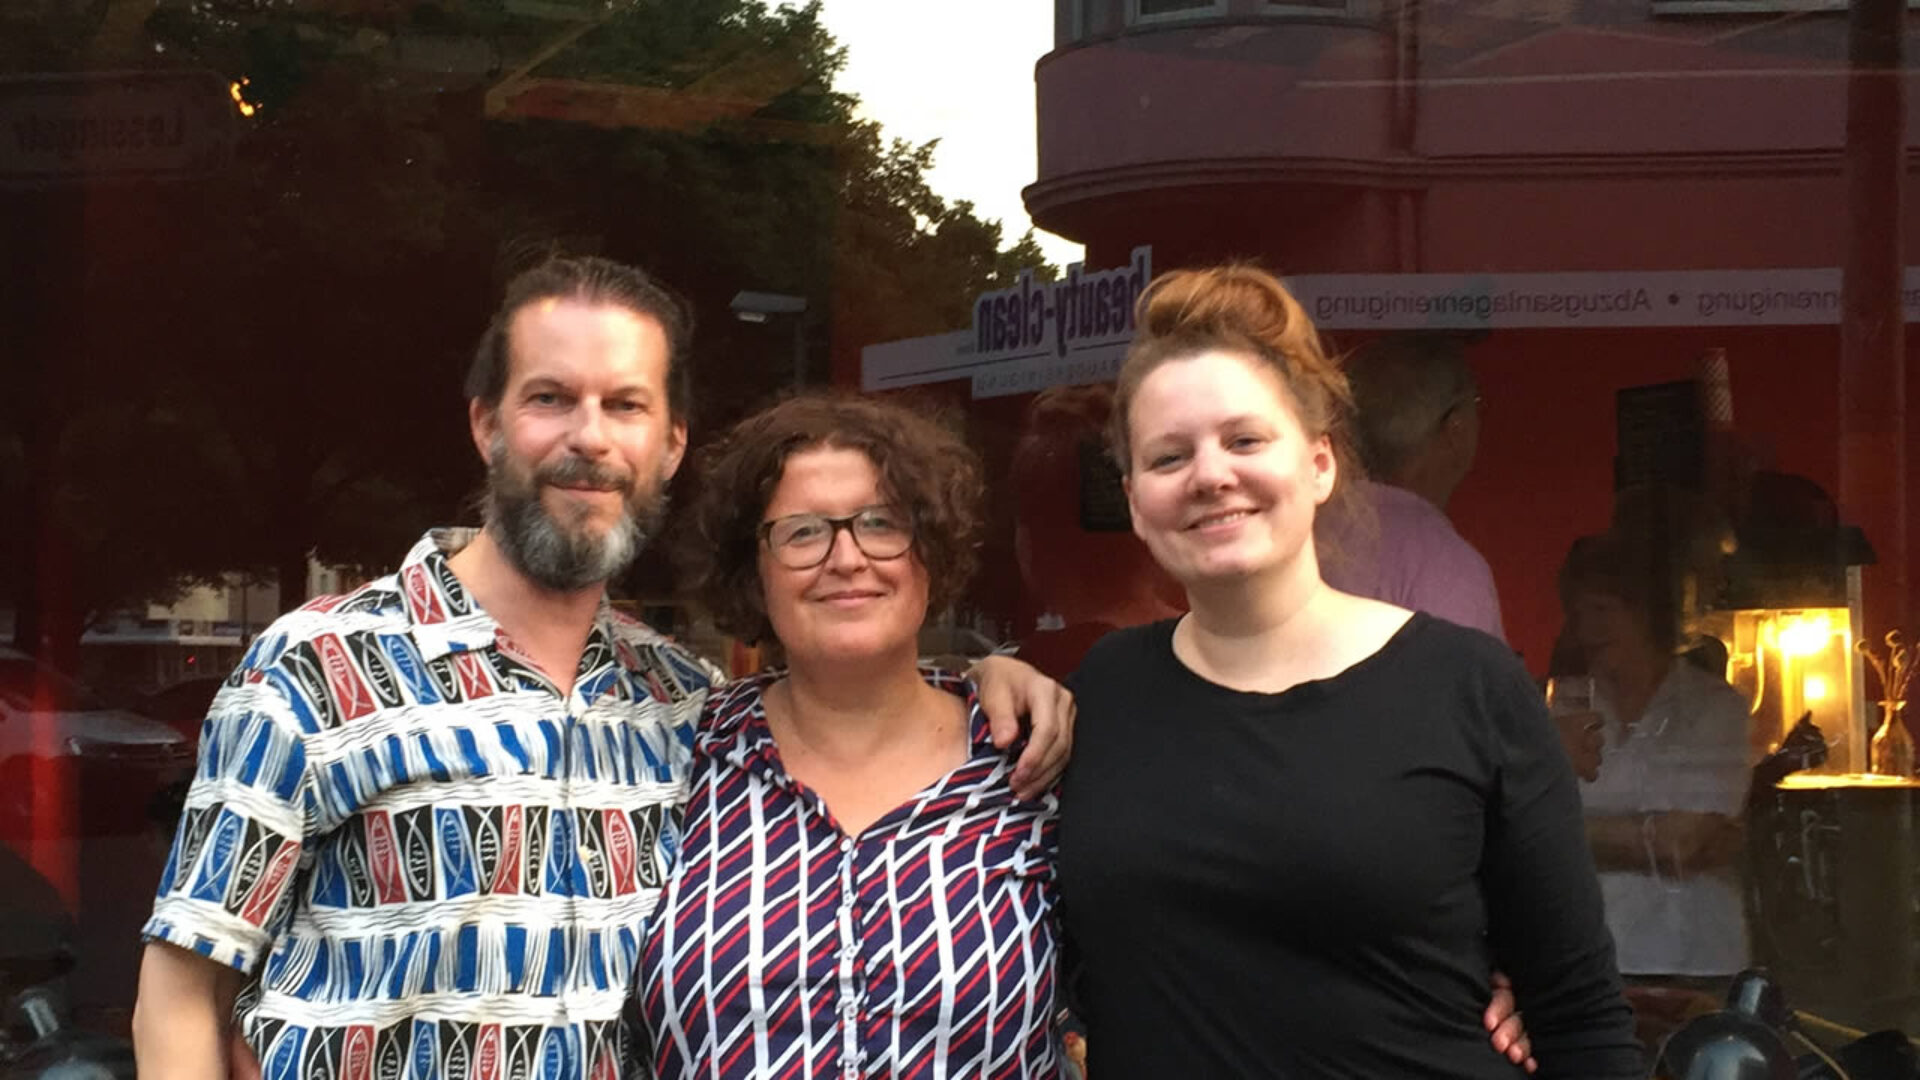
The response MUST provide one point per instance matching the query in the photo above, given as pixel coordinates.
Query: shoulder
(323, 634)
(1706, 698)
(728, 708)
(376, 606)
(304, 673)
(1695, 683)
(1122, 654)
(1478, 667)
(1429, 529)
(643, 649)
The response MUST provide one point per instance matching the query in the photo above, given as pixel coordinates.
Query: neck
(1635, 680)
(1427, 478)
(1239, 626)
(843, 711)
(527, 612)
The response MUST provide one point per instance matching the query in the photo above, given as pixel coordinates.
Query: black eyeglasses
(803, 541)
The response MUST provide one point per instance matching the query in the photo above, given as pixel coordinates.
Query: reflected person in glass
(1665, 812)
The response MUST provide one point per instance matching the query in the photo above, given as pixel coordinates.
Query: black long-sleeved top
(1317, 883)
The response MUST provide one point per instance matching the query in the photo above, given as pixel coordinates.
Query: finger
(1003, 720)
(1510, 1038)
(1500, 1009)
(1039, 762)
(1040, 768)
(1060, 745)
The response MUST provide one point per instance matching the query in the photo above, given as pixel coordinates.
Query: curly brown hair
(926, 469)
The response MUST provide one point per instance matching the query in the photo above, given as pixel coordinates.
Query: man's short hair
(1404, 385)
(588, 279)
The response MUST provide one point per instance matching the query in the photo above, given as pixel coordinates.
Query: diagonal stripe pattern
(922, 948)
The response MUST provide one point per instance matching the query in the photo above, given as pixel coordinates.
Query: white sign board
(70, 129)
(1018, 346)
(1627, 298)
(1030, 336)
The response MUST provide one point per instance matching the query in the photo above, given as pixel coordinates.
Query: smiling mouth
(1226, 517)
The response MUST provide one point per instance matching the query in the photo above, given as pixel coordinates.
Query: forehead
(825, 479)
(574, 341)
(1207, 388)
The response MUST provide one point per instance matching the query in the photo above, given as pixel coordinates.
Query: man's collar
(445, 618)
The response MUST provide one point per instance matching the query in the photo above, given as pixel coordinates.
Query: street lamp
(758, 307)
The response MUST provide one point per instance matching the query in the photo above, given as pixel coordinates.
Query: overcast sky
(961, 73)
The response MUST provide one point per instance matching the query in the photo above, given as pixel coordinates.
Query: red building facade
(1499, 142)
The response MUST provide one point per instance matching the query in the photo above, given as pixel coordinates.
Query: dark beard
(562, 557)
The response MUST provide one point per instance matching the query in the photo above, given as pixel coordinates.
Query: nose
(1211, 470)
(589, 435)
(843, 554)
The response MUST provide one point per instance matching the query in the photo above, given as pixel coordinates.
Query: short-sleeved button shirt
(434, 863)
(923, 947)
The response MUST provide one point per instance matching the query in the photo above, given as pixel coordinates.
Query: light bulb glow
(236, 92)
(1805, 635)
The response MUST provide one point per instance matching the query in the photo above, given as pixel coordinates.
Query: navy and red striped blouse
(924, 947)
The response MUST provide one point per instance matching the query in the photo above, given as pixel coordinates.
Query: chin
(855, 649)
(1231, 566)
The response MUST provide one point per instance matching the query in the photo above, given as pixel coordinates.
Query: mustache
(578, 472)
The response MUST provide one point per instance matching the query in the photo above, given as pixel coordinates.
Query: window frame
(1211, 10)
(1344, 9)
(1659, 8)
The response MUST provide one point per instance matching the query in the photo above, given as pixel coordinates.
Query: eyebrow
(537, 383)
(1246, 418)
(1237, 420)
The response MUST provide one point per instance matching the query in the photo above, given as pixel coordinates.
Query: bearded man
(432, 818)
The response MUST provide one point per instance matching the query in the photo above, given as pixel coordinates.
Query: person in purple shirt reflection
(1418, 424)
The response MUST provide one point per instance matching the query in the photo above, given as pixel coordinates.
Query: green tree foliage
(275, 354)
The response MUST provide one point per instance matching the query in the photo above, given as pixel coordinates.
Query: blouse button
(846, 844)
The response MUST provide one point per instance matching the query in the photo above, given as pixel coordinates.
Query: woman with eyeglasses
(860, 891)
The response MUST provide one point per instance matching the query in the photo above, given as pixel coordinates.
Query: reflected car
(45, 714)
(182, 706)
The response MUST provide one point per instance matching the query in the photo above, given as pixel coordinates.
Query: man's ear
(483, 421)
(676, 447)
